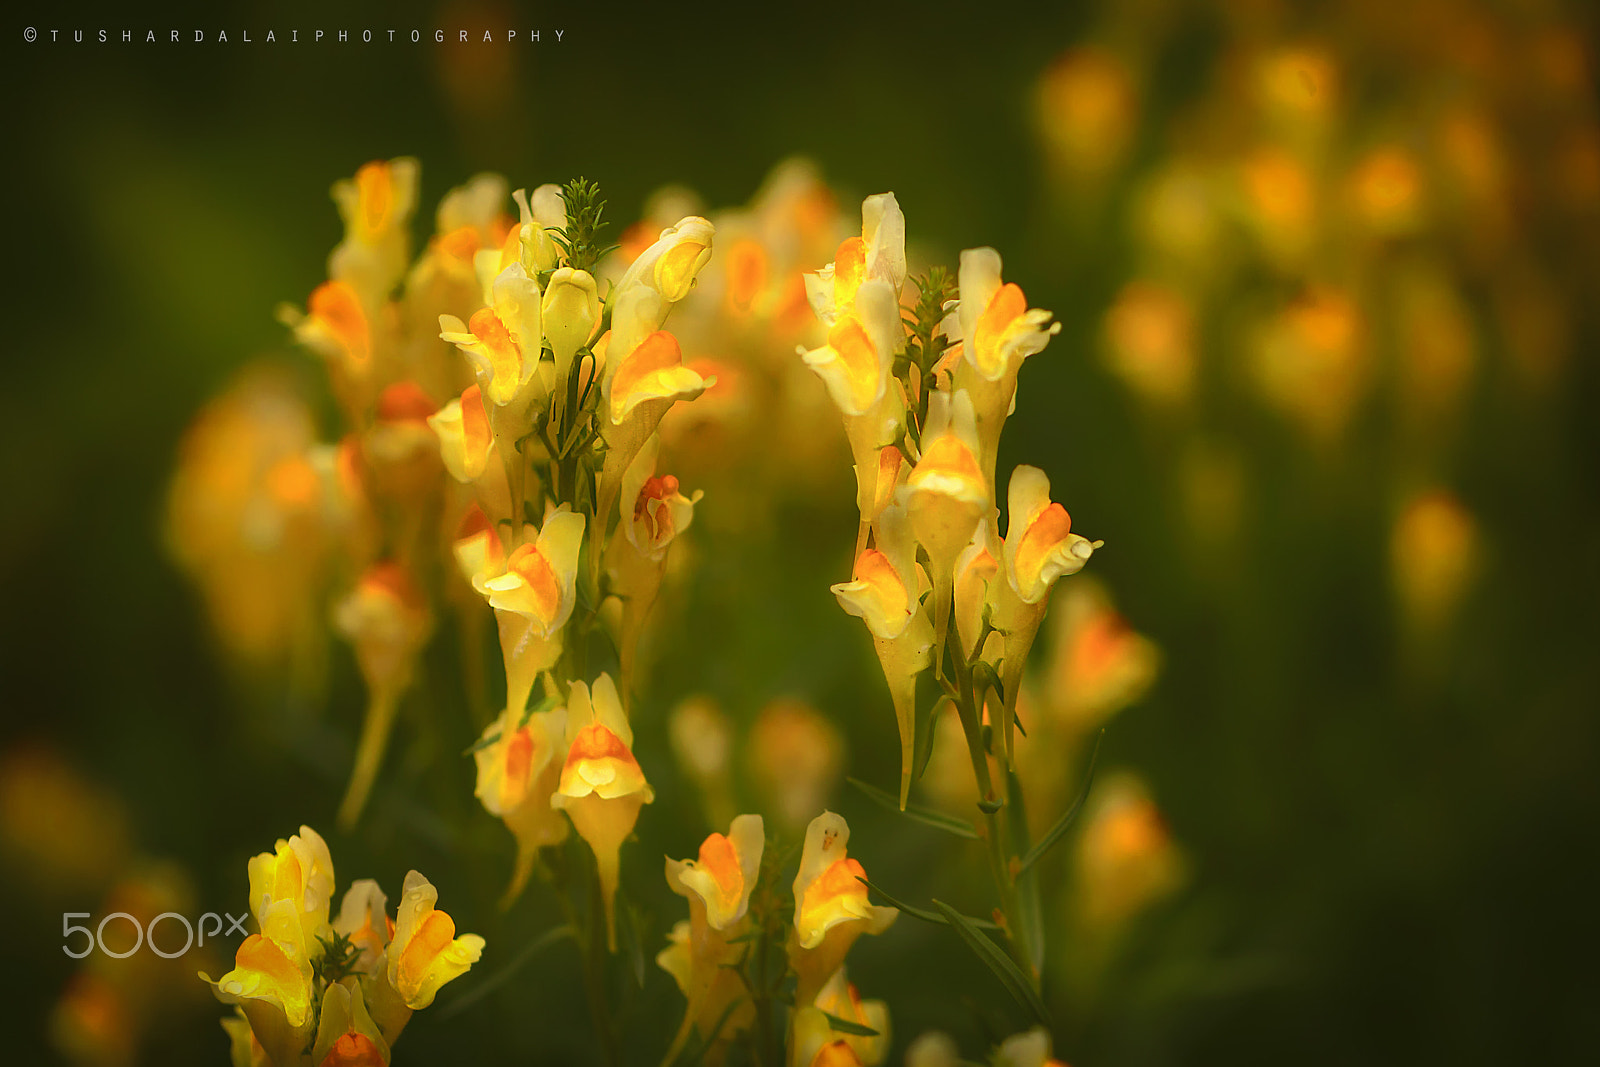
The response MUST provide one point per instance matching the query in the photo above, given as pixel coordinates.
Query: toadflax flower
(998, 332)
(885, 592)
(946, 495)
(1039, 548)
(311, 993)
(700, 957)
(532, 598)
(388, 621)
(815, 1042)
(519, 761)
(602, 786)
(654, 513)
(504, 342)
(831, 908)
(376, 207)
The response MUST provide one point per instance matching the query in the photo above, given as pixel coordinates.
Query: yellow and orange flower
(1039, 548)
(831, 908)
(532, 598)
(425, 952)
(699, 955)
(998, 331)
(885, 592)
(602, 786)
(519, 761)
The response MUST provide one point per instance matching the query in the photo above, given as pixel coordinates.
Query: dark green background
(1381, 872)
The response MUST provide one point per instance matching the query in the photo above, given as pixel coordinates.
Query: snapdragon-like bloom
(653, 513)
(946, 496)
(885, 592)
(388, 621)
(376, 206)
(699, 955)
(519, 761)
(856, 365)
(504, 342)
(669, 266)
(1039, 548)
(347, 1036)
(998, 332)
(602, 786)
(840, 999)
(879, 254)
(425, 952)
(831, 908)
(532, 597)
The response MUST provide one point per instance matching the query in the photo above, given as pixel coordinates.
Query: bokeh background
(1326, 386)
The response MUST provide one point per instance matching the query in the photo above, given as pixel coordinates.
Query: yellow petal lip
(724, 874)
(425, 952)
(877, 594)
(1039, 546)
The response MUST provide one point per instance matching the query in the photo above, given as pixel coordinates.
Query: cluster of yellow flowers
(316, 992)
(503, 401)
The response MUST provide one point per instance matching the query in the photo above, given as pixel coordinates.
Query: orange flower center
(849, 340)
(849, 270)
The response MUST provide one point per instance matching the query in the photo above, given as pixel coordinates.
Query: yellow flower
(376, 207)
(271, 982)
(519, 763)
(465, 439)
(831, 908)
(841, 1000)
(654, 513)
(879, 254)
(1098, 664)
(346, 1034)
(546, 211)
(335, 327)
(795, 755)
(504, 342)
(699, 955)
(389, 623)
(1028, 1049)
(885, 592)
(702, 743)
(946, 496)
(602, 786)
(719, 883)
(300, 870)
(998, 332)
(1039, 548)
(1433, 554)
(425, 952)
(856, 365)
(571, 313)
(670, 265)
(364, 919)
(533, 598)
(1126, 857)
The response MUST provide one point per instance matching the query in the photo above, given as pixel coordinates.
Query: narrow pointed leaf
(1004, 967)
(926, 816)
(919, 913)
(1056, 832)
(845, 1026)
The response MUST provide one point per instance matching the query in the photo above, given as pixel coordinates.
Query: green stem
(994, 828)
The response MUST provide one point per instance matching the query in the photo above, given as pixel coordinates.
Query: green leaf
(918, 913)
(1056, 832)
(481, 743)
(927, 816)
(1004, 967)
(549, 703)
(845, 1026)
